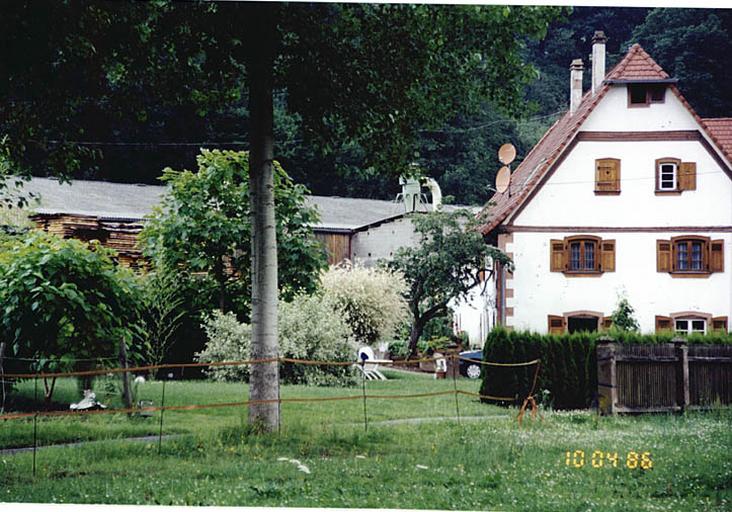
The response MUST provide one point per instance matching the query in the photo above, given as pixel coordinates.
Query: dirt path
(141, 439)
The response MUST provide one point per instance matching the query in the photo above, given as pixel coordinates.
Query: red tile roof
(636, 65)
(720, 129)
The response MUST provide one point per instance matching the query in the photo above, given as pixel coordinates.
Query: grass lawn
(488, 463)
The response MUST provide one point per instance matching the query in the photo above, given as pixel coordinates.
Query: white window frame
(689, 328)
(675, 175)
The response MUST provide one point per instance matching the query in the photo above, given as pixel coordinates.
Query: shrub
(309, 328)
(62, 301)
(568, 362)
(369, 299)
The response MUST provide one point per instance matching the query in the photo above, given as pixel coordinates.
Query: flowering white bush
(228, 340)
(309, 328)
(371, 300)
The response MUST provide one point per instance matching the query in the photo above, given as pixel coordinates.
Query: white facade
(566, 205)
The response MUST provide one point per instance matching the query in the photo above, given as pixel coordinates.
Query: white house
(628, 194)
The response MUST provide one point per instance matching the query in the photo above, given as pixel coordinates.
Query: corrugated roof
(133, 202)
(636, 65)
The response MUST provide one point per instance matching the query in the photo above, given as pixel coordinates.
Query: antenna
(506, 155)
(503, 179)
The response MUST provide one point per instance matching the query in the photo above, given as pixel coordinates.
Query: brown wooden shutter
(607, 322)
(687, 176)
(555, 324)
(716, 256)
(663, 323)
(607, 256)
(607, 175)
(719, 323)
(663, 256)
(558, 261)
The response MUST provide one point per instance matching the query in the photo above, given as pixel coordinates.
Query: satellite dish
(506, 153)
(503, 179)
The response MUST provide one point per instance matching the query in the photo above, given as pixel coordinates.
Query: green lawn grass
(490, 463)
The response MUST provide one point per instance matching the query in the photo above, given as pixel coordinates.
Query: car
(471, 369)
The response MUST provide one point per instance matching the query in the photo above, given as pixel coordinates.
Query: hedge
(568, 363)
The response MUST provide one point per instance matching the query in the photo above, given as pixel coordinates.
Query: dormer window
(642, 95)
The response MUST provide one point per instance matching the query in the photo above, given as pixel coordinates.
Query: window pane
(657, 93)
(589, 255)
(637, 94)
(698, 325)
(574, 259)
(696, 256)
(682, 256)
(667, 178)
(682, 325)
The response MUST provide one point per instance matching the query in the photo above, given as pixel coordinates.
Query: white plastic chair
(370, 370)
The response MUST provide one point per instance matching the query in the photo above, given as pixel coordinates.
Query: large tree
(371, 74)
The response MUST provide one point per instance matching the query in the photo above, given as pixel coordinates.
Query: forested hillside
(694, 45)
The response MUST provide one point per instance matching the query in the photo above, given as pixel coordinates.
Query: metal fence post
(35, 423)
(454, 369)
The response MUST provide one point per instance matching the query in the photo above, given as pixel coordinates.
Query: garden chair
(369, 369)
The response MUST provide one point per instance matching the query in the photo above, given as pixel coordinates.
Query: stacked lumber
(118, 235)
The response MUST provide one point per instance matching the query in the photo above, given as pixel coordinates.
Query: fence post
(2, 376)
(681, 350)
(126, 397)
(607, 379)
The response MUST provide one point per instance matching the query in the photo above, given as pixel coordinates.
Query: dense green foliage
(202, 229)
(62, 301)
(444, 265)
(165, 75)
(568, 363)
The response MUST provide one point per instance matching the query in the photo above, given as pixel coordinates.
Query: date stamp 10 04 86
(599, 459)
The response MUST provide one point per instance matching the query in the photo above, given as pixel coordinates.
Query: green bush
(309, 328)
(568, 363)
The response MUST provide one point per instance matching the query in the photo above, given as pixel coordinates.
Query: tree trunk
(264, 379)
(414, 334)
(126, 395)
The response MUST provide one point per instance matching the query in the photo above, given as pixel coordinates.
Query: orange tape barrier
(22, 415)
(89, 373)
(490, 363)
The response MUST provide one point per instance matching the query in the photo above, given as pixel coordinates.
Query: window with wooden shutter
(719, 323)
(690, 256)
(558, 261)
(607, 322)
(582, 256)
(687, 176)
(555, 324)
(607, 256)
(607, 176)
(663, 324)
(716, 256)
(663, 255)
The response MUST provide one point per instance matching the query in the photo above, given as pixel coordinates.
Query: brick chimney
(575, 85)
(598, 59)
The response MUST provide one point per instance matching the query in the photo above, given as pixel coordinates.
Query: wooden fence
(664, 377)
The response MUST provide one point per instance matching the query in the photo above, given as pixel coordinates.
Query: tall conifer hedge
(568, 363)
